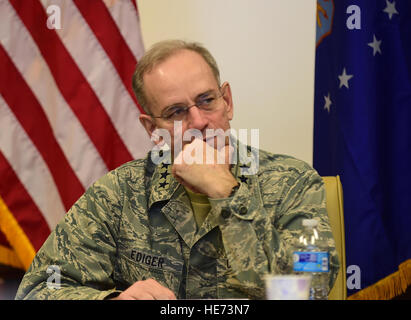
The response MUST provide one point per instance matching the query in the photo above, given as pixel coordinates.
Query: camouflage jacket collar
(161, 184)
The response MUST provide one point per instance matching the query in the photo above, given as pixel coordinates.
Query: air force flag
(362, 132)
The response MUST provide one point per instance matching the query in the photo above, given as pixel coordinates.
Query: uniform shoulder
(133, 170)
(136, 166)
(280, 162)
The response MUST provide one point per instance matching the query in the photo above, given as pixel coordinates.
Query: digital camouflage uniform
(137, 223)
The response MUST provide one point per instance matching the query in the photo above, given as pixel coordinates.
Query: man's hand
(148, 289)
(209, 173)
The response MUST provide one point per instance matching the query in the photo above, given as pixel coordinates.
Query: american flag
(67, 111)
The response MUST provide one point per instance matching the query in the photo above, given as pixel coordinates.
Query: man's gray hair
(160, 52)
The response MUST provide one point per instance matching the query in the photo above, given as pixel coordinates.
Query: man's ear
(148, 124)
(228, 98)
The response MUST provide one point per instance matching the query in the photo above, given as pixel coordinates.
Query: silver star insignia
(344, 79)
(390, 9)
(328, 102)
(375, 45)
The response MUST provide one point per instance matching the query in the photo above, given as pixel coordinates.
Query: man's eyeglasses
(206, 102)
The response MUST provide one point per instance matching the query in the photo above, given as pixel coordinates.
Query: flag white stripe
(31, 169)
(124, 14)
(69, 133)
(97, 68)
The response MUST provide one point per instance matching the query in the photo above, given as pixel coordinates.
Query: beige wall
(264, 48)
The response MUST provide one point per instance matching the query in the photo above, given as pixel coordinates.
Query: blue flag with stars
(362, 132)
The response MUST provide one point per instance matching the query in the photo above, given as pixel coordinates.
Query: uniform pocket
(135, 265)
(227, 285)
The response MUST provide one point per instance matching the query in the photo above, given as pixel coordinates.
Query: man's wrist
(226, 191)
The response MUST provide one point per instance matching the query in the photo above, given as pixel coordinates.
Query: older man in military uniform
(151, 230)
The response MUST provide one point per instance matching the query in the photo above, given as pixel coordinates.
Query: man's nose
(195, 119)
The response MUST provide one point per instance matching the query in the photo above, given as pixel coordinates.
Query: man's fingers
(165, 296)
(143, 296)
(200, 152)
(157, 291)
(148, 289)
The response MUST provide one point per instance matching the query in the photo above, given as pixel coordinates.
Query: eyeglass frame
(186, 108)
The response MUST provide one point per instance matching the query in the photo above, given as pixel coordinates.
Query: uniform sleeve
(303, 198)
(260, 222)
(244, 249)
(80, 251)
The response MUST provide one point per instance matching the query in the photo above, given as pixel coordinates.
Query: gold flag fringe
(9, 258)
(389, 287)
(18, 240)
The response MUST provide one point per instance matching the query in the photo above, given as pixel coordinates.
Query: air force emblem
(325, 16)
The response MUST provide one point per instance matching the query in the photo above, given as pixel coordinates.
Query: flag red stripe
(135, 5)
(3, 241)
(21, 205)
(73, 85)
(107, 33)
(31, 116)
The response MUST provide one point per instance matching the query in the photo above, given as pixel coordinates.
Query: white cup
(287, 287)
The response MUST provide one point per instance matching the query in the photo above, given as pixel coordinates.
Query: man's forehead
(185, 71)
(179, 62)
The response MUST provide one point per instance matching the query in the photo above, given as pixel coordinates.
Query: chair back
(334, 203)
